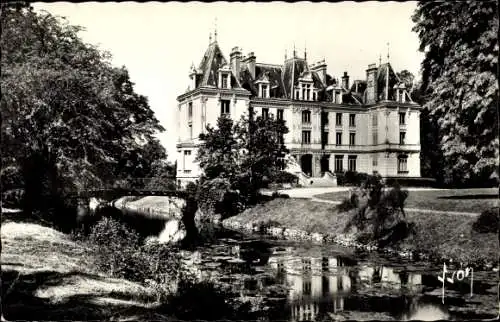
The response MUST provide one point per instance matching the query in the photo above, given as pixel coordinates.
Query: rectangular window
(375, 160)
(306, 137)
(224, 81)
(374, 119)
(402, 116)
(324, 117)
(308, 91)
(352, 138)
(339, 161)
(352, 162)
(306, 116)
(190, 131)
(190, 109)
(187, 152)
(264, 90)
(402, 164)
(402, 137)
(265, 113)
(338, 138)
(375, 138)
(324, 138)
(280, 115)
(352, 119)
(314, 96)
(224, 107)
(338, 119)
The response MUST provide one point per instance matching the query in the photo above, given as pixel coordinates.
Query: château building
(369, 125)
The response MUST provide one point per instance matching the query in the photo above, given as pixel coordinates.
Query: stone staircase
(327, 180)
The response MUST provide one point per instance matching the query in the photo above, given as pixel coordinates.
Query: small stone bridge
(131, 187)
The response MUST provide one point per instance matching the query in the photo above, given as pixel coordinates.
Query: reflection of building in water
(311, 280)
(388, 278)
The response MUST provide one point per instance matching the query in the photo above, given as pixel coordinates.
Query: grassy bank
(466, 200)
(47, 275)
(443, 236)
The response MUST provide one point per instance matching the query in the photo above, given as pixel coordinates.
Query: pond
(300, 281)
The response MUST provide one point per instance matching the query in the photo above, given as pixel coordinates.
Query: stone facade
(370, 126)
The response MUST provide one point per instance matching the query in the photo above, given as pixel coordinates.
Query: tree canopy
(64, 103)
(460, 84)
(237, 157)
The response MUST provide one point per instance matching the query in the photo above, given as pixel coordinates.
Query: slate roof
(210, 64)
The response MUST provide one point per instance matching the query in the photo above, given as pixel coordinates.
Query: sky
(158, 42)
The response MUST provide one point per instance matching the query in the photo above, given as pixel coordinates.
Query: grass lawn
(466, 200)
(48, 276)
(448, 236)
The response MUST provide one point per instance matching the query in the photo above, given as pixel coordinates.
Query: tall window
(375, 160)
(187, 153)
(306, 116)
(306, 137)
(402, 164)
(264, 90)
(224, 81)
(374, 119)
(402, 116)
(402, 137)
(352, 138)
(265, 113)
(280, 115)
(338, 138)
(324, 137)
(314, 96)
(190, 131)
(308, 91)
(324, 117)
(224, 107)
(352, 119)
(338, 119)
(190, 109)
(339, 160)
(352, 162)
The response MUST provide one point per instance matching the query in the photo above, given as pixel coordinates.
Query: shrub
(13, 198)
(285, 177)
(488, 221)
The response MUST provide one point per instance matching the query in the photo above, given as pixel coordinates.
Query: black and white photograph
(250, 161)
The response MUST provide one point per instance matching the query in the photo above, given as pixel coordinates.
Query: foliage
(407, 78)
(460, 85)
(238, 159)
(488, 221)
(119, 253)
(284, 177)
(70, 119)
(379, 212)
(351, 178)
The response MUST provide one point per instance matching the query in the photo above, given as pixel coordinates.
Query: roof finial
(380, 59)
(215, 33)
(305, 50)
(285, 53)
(387, 52)
(209, 38)
(294, 52)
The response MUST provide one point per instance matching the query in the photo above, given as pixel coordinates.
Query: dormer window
(224, 81)
(264, 90)
(225, 77)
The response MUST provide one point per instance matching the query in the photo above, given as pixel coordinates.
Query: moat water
(300, 281)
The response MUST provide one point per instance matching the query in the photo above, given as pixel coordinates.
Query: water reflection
(315, 287)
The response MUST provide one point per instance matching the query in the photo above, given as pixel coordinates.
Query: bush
(13, 198)
(351, 178)
(488, 221)
(120, 254)
(285, 177)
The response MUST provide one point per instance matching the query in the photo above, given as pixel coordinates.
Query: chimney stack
(320, 68)
(235, 58)
(371, 83)
(250, 62)
(345, 81)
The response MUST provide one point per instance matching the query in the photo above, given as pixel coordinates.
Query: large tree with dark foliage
(69, 118)
(460, 85)
(237, 157)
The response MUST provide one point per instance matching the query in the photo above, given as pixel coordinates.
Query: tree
(236, 158)
(262, 138)
(407, 78)
(65, 108)
(460, 83)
